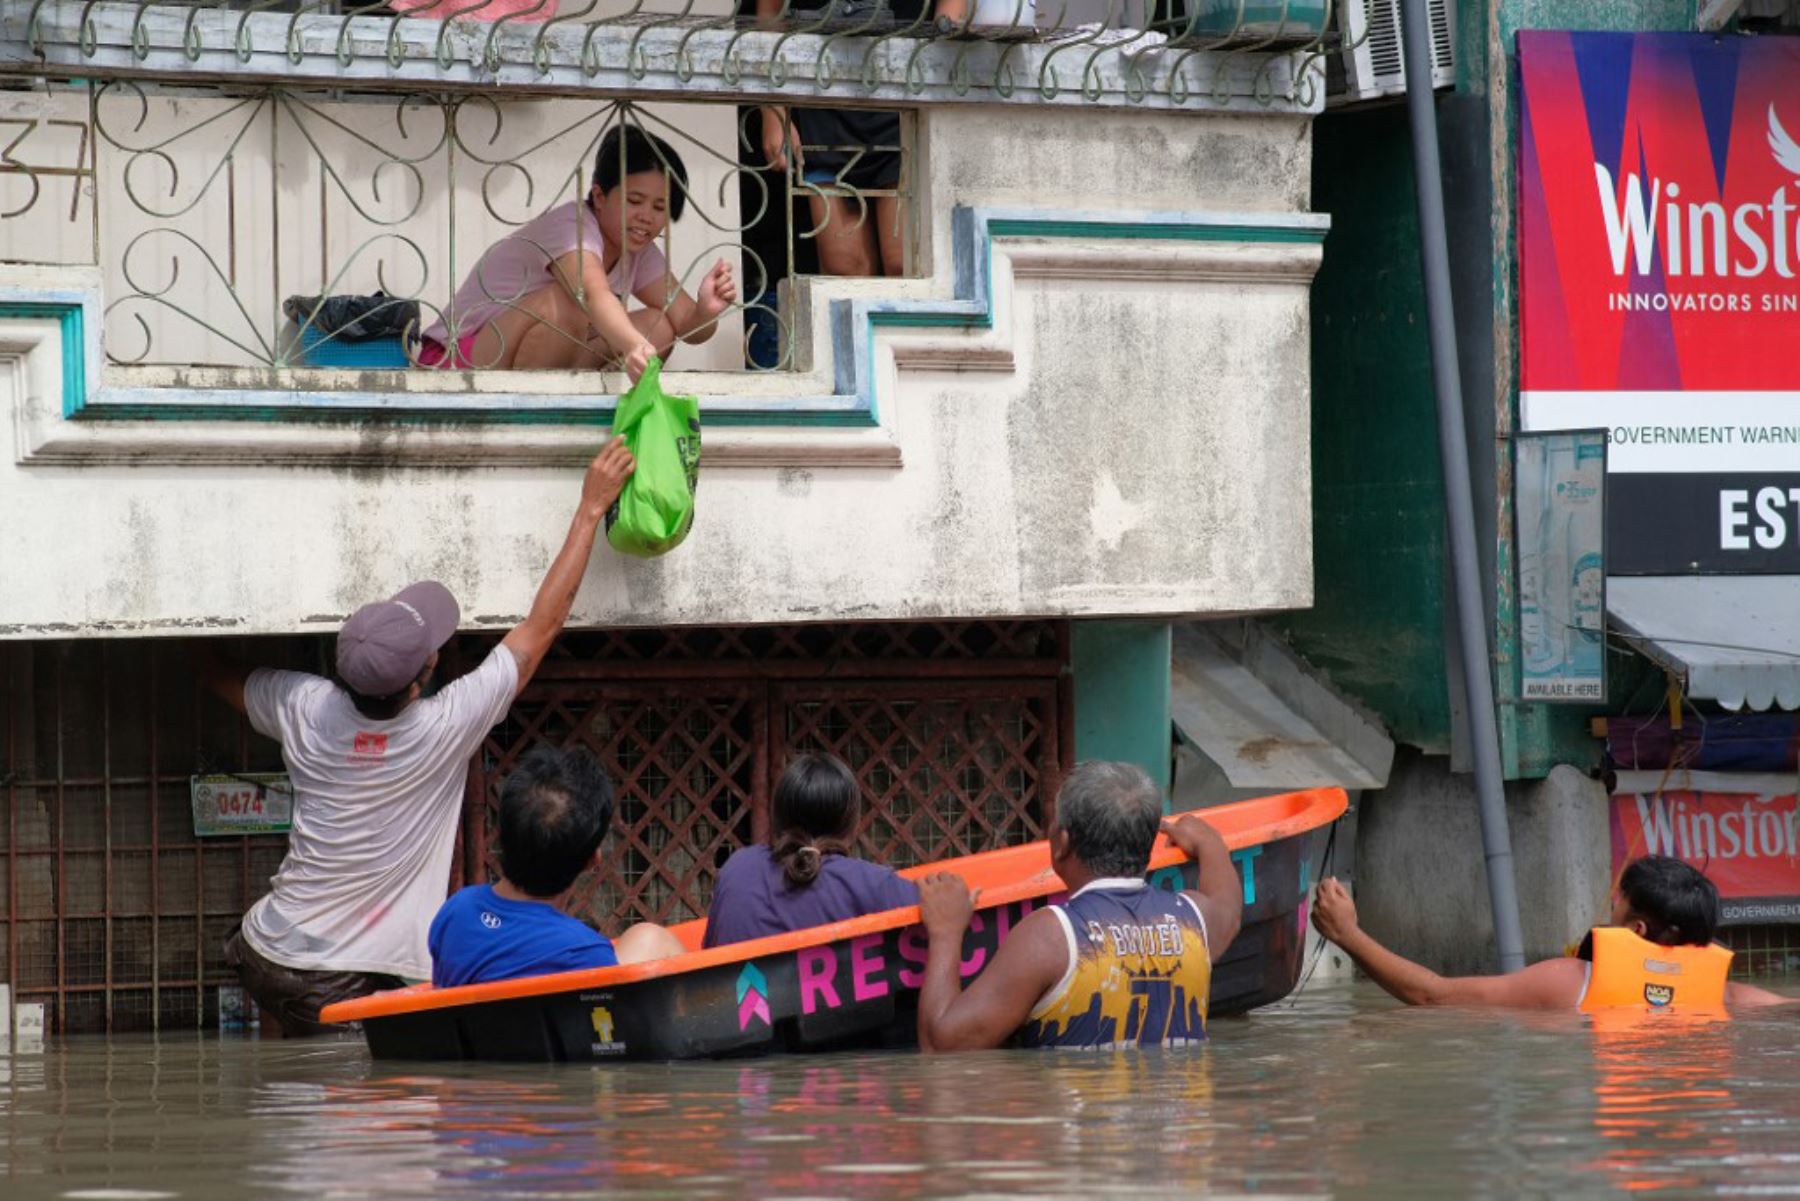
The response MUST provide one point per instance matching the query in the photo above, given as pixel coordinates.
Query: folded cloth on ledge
(354, 318)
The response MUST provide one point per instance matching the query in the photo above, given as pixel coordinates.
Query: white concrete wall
(1130, 438)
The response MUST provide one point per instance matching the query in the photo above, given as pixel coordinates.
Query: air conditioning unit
(1371, 65)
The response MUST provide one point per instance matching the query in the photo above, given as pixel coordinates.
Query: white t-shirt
(375, 816)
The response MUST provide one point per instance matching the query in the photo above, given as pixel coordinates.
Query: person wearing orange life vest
(1657, 954)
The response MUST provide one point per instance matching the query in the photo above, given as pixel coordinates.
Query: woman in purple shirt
(552, 293)
(807, 876)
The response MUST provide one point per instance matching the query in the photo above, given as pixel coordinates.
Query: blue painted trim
(73, 330)
(426, 408)
(1223, 232)
(852, 325)
(974, 230)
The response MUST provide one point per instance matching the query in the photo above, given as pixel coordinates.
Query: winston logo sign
(1659, 281)
(1700, 237)
(1742, 830)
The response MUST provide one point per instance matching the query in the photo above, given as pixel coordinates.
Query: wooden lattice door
(685, 760)
(695, 727)
(947, 768)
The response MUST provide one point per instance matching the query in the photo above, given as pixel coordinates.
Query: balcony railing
(208, 208)
(1095, 51)
(216, 162)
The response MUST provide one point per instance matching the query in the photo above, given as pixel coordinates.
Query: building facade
(947, 520)
(1691, 719)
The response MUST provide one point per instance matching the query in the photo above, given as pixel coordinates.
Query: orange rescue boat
(851, 984)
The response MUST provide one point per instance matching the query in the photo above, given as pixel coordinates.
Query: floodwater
(1338, 1094)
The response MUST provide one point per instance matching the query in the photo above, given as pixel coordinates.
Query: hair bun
(799, 858)
(802, 867)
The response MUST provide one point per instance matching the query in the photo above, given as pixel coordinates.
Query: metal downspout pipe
(1453, 450)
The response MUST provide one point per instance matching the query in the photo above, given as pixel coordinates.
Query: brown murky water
(1341, 1094)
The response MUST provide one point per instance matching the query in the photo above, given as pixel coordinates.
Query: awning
(1253, 708)
(1733, 639)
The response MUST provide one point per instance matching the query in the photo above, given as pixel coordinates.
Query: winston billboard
(1743, 831)
(1659, 285)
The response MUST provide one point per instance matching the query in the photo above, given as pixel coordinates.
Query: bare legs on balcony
(859, 236)
(550, 330)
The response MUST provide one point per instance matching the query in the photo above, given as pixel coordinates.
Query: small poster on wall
(1559, 485)
(242, 803)
(1742, 829)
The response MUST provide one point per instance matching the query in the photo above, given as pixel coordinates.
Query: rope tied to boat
(1319, 951)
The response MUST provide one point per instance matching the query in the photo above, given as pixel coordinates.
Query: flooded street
(1342, 1094)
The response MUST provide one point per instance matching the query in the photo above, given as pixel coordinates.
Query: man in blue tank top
(1119, 964)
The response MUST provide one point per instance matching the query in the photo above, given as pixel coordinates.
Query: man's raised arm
(1551, 984)
(219, 675)
(1218, 890)
(1033, 957)
(530, 640)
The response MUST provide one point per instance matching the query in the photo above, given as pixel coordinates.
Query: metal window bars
(113, 912)
(206, 208)
(1091, 50)
(1763, 949)
(214, 159)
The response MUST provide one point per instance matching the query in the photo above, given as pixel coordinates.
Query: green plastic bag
(655, 509)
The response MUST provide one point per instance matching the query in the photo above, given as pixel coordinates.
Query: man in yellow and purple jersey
(1119, 963)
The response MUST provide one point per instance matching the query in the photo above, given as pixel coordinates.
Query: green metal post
(1121, 671)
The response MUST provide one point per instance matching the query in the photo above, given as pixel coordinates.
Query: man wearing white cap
(379, 771)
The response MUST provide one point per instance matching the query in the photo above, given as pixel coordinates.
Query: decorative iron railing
(222, 162)
(208, 208)
(1097, 51)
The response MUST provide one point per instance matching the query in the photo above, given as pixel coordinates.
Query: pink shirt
(519, 264)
